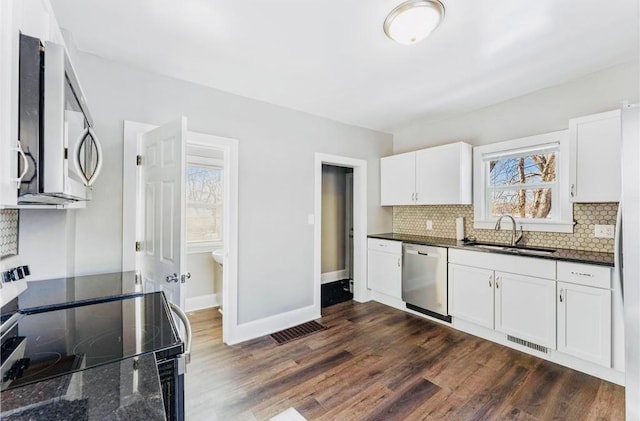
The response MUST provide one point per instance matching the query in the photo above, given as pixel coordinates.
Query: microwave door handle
(18, 149)
(88, 181)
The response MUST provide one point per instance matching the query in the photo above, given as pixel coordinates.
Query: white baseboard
(337, 275)
(268, 325)
(201, 302)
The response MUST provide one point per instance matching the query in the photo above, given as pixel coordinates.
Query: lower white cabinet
(584, 322)
(384, 267)
(525, 307)
(472, 294)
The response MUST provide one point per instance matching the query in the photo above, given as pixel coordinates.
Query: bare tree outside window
(204, 203)
(522, 186)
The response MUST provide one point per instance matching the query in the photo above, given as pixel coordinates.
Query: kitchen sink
(541, 251)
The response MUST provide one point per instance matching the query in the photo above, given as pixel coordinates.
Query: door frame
(131, 212)
(360, 292)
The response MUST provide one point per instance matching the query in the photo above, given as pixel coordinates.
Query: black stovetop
(78, 289)
(65, 340)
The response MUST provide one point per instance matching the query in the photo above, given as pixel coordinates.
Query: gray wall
(204, 271)
(539, 112)
(276, 186)
(334, 190)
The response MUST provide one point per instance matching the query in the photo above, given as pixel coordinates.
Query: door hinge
(138, 246)
(139, 160)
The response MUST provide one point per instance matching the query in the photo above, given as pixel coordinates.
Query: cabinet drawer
(388, 246)
(589, 275)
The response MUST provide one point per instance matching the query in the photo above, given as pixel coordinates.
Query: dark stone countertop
(125, 390)
(578, 256)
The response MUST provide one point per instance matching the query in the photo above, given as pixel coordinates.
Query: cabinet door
(595, 157)
(472, 294)
(443, 175)
(526, 308)
(584, 322)
(9, 32)
(397, 179)
(385, 273)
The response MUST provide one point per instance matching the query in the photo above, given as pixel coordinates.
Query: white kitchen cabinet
(584, 322)
(398, 179)
(384, 267)
(472, 294)
(443, 175)
(433, 176)
(595, 157)
(9, 17)
(525, 308)
(34, 18)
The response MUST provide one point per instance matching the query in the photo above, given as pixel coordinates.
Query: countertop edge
(565, 255)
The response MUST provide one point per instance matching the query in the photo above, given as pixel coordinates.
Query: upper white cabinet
(34, 18)
(434, 176)
(595, 157)
(398, 179)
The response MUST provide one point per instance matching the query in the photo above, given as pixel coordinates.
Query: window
(523, 178)
(204, 191)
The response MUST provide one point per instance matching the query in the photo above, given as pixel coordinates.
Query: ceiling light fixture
(413, 20)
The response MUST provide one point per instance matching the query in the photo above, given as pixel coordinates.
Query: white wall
(276, 147)
(539, 112)
(203, 271)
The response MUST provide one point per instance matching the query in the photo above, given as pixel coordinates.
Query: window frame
(562, 211)
(193, 247)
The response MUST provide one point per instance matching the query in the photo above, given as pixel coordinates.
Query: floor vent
(297, 332)
(528, 344)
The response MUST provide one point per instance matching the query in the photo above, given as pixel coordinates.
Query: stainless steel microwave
(59, 153)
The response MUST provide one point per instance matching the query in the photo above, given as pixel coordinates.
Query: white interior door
(163, 195)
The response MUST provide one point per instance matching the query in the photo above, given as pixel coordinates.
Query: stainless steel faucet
(514, 240)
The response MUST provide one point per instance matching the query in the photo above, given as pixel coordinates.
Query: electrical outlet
(605, 231)
(429, 224)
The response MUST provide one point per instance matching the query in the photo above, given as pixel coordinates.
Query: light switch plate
(605, 231)
(429, 224)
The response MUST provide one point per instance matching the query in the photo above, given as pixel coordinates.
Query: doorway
(357, 271)
(337, 235)
(132, 218)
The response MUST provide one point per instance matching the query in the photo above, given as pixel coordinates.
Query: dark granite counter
(578, 256)
(124, 390)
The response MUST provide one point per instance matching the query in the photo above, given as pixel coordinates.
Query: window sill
(560, 227)
(208, 247)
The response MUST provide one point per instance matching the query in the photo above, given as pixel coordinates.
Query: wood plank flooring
(377, 363)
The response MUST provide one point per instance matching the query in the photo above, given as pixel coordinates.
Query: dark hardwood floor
(377, 363)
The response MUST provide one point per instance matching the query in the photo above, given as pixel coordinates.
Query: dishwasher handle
(417, 253)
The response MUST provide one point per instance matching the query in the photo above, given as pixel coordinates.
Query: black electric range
(68, 325)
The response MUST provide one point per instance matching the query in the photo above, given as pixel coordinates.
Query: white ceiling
(331, 57)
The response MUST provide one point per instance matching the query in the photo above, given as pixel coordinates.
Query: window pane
(204, 203)
(529, 169)
(532, 203)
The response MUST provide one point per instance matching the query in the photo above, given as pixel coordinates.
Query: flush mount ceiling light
(413, 20)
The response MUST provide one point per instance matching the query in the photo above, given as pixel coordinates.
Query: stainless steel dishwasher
(424, 280)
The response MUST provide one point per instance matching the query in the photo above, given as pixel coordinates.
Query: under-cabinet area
(560, 310)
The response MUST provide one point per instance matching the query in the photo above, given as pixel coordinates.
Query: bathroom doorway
(133, 222)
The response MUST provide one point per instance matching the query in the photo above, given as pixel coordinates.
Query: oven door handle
(187, 327)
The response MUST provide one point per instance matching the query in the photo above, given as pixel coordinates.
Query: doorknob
(185, 276)
(172, 278)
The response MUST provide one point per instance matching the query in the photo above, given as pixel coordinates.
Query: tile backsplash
(8, 232)
(413, 219)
